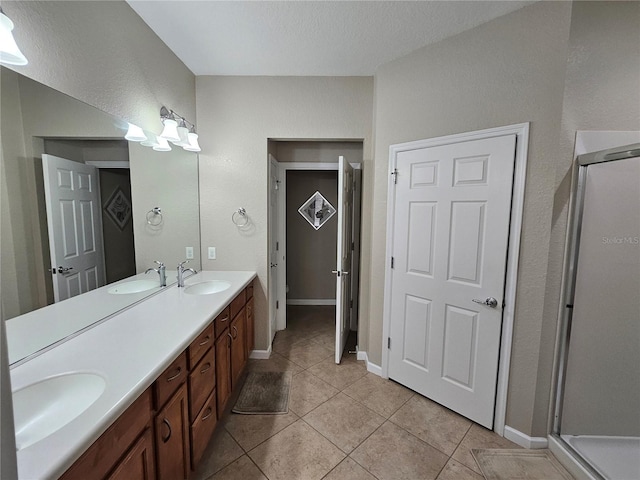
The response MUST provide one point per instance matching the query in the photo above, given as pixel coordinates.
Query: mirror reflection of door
(88, 214)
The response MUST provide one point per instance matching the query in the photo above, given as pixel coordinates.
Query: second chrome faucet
(162, 272)
(181, 272)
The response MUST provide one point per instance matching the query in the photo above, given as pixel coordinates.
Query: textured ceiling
(303, 38)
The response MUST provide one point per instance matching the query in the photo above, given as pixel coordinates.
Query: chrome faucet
(182, 270)
(162, 272)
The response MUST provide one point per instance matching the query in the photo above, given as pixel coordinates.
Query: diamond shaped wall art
(317, 210)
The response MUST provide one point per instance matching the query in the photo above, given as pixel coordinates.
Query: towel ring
(239, 217)
(154, 216)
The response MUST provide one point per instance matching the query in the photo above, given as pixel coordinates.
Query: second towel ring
(239, 217)
(154, 216)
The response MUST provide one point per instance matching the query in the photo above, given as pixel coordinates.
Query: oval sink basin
(134, 286)
(207, 288)
(43, 408)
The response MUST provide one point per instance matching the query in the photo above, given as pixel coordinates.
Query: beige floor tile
(275, 363)
(479, 437)
(380, 395)
(349, 470)
(325, 338)
(241, 469)
(436, 425)
(344, 421)
(456, 471)
(392, 453)
(251, 430)
(340, 376)
(221, 451)
(307, 392)
(297, 452)
(285, 339)
(306, 353)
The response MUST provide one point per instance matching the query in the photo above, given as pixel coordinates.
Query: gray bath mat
(497, 464)
(264, 393)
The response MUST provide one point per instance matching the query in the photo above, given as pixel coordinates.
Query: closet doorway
(314, 241)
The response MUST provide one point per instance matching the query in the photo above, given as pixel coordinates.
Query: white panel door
(344, 254)
(74, 223)
(274, 244)
(450, 237)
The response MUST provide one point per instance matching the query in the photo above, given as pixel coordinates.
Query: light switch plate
(212, 253)
(189, 253)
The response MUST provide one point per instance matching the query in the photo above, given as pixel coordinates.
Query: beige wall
(311, 253)
(508, 71)
(236, 117)
(318, 152)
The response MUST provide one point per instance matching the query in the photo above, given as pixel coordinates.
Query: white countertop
(130, 350)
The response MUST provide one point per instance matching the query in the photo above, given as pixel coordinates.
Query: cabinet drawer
(249, 291)
(170, 380)
(202, 428)
(221, 322)
(237, 304)
(200, 345)
(202, 381)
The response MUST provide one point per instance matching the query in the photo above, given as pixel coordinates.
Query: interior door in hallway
(450, 237)
(344, 254)
(274, 244)
(74, 223)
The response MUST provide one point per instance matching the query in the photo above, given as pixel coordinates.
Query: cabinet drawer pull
(176, 375)
(206, 366)
(206, 340)
(166, 422)
(208, 412)
(235, 331)
(225, 319)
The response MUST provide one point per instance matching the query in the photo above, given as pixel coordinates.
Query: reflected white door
(74, 223)
(344, 254)
(450, 236)
(274, 244)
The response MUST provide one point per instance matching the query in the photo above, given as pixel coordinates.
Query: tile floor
(343, 422)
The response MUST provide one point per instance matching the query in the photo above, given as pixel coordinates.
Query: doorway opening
(314, 222)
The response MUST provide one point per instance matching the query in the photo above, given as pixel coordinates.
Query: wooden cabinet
(250, 334)
(139, 463)
(223, 370)
(202, 428)
(238, 346)
(172, 438)
(120, 441)
(169, 381)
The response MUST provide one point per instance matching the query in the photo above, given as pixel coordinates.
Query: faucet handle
(159, 263)
(181, 264)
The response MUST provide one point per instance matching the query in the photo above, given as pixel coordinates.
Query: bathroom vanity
(161, 373)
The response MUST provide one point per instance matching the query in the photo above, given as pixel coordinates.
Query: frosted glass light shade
(193, 145)
(10, 54)
(162, 146)
(135, 134)
(183, 133)
(170, 131)
(152, 141)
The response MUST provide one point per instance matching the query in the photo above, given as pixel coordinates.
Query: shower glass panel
(598, 404)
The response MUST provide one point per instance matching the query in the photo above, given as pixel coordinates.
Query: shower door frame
(575, 227)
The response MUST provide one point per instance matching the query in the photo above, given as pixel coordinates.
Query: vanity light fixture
(179, 130)
(193, 145)
(10, 54)
(170, 131)
(135, 134)
(151, 141)
(183, 132)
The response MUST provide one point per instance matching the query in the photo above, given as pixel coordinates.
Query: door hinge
(394, 173)
(277, 304)
(353, 245)
(388, 342)
(351, 304)
(392, 262)
(277, 246)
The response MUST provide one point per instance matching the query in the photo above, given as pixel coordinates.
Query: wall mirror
(131, 180)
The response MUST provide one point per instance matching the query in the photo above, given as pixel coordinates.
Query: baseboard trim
(311, 301)
(524, 440)
(260, 354)
(371, 367)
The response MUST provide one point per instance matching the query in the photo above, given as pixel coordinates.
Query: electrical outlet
(212, 253)
(189, 253)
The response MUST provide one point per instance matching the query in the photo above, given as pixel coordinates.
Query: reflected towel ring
(239, 217)
(154, 216)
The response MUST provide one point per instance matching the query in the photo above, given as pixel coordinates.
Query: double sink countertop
(129, 351)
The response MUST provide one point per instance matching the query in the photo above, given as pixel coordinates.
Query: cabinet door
(250, 326)
(172, 438)
(238, 346)
(223, 370)
(202, 428)
(139, 463)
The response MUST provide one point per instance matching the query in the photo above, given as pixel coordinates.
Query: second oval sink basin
(43, 408)
(134, 286)
(208, 287)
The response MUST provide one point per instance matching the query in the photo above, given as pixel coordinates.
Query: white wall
(236, 117)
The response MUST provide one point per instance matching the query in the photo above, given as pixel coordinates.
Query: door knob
(64, 269)
(489, 302)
